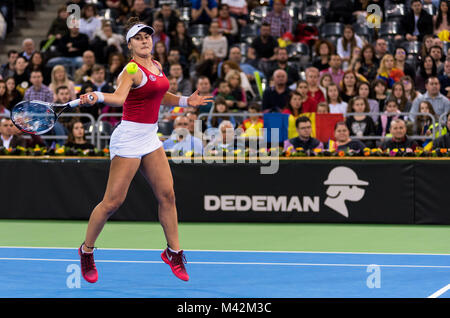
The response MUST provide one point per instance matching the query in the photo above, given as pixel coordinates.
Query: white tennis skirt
(134, 140)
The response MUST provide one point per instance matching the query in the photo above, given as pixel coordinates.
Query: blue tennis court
(54, 272)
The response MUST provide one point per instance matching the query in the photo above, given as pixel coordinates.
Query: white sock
(173, 251)
(84, 252)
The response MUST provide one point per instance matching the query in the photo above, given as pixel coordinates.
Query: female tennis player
(135, 145)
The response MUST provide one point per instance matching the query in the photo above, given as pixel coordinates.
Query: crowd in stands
(254, 58)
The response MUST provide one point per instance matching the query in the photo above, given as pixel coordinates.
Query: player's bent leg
(156, 170)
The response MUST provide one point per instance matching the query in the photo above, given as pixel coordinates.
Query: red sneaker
(88, 269)
(176, 262)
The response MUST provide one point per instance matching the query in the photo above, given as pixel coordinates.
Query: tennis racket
(37, 117)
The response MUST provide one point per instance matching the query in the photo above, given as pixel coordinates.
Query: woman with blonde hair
(388, 72)
(60, 78)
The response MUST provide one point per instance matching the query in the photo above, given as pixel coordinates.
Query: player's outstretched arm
(194, 100)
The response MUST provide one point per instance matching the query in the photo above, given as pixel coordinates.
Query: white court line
(225, 263)
(226, 251)
(440, 292)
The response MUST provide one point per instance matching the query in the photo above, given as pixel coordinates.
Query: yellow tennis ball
(132, 68)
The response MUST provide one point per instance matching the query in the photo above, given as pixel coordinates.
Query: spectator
(71, 47)
(14, 95)
(294, 109)
(281, 62)
(303, 139)
(21, 75)
(36, 63)
(441, 21)
(184, 85)
(140, 10)
(225, 141)
(334, 100)
(160, 54)
(254, 124)
(364, 92)
(276, 96)
(323, 49)
(346, 43)
(204, 89)
(77, 138)
(381, 49)
(83, 73)
(379, 91)
(443, 141)
(203, 11)
(354, 62)
(174, 57)
(207, 66)
(314, 91)
(119, 10)
(325, 80)
(238, 9)
(7, 137)
(169, 18)
(399, 95)
(369, 66)
(437, 53)
(426, 70)
(308, 103)
(424, 124)
(60, 78)
(173, 86)
(399, 139)
(410, 91)
(4, 99)
(159, 35)
(115, 67)
(444, 79)
(390, 113)
(279, 19)
(263, 46)
(182, 41)
(427, 43)
(215, 41)
(323, 108)
(440, 103)
(349, 84)
(7, 69)
(63, 97)
(227, 24)
(400, 62)
(388, 72)
(38, 91)
(417, 22)
(28, 48)
(337, 74)
(343, 142)
(233, 78)
(105, 42)
(360, 125)
(181, 139)
(193, 117)
(220, 107)
(89, 22)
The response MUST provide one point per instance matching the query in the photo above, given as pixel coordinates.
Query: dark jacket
(442, 142)
(405, 143)
(425, 24)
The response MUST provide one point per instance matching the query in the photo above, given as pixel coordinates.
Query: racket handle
(76, 102)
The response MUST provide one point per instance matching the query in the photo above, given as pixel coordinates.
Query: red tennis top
(143, 102)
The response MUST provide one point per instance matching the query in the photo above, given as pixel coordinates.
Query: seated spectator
(238, 9)
(7, 137)
(335, 71)
(160, 54)
(159, 35)
(349, 86)
(233, 79)
(323, 108)
(400, 62)
(227, 24)
(364, 92)
(410, 91)
(181, 140)
(279, 19)
(323, 49)
(225, 140)
(388, 72)
(105, 43)
(28, 48)
(314, 91)
(203, 11)
(12, 93)
(360, 125)
(220, 106)
(58, 28)
(71, 47)
(281, 62)
(294, 109)
(334, 100)
(7, 69)
(427, 43)
(38, 91)
(62, 96)
(399, 139)
(30, 142)
(119, 10)
(369, 66)
(343, 142)
(308, 103)
(224, 91)
(169, 18)
(207, 66)
(424, 124)
(21, 75)
(441, 21)
(346, 43)
(174, 57)
(115, 66)
(426, 69)
(390, 113)
(4, 99)
(83, 73)
(89, 22)
(182, 41)
(417, 22)
(398, 93)
(437, 53)
(263, 46)
(140, 10)
(303, 139)
(254, 124)
(59, 78)
(184, 85)
(443, 141)
(379, 90)
(77, 138)
(325, 81)
(444, 79)
(36, 63)
(354, 62)
(440, 103)
(204, 89)
(215, 41)
(381, 48)
(275, 97)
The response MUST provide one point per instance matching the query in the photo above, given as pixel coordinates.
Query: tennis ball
(132, 68)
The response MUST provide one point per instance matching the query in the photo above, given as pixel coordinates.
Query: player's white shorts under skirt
(133, 140)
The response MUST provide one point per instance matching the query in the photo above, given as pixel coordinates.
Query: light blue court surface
(54, 272)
